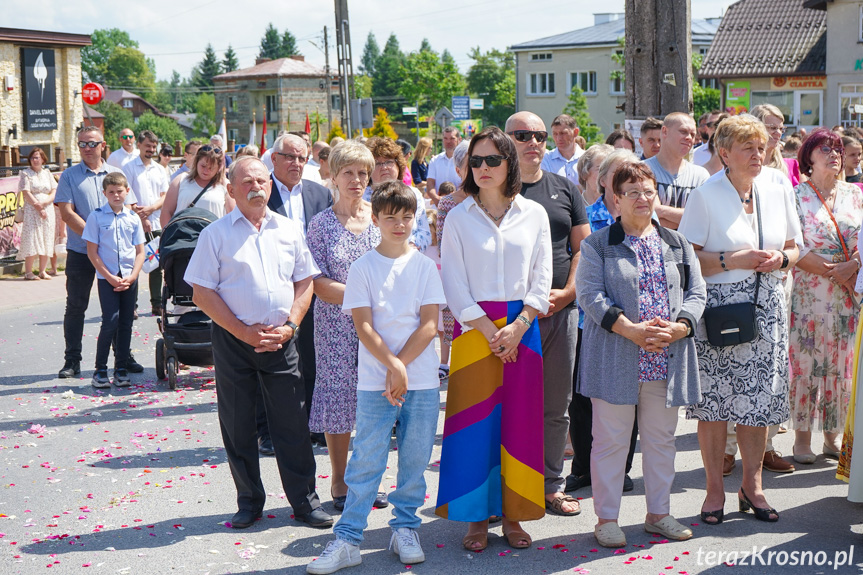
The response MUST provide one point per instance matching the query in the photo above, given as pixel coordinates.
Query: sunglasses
(490, 161)
(83, 145)
(167, 152)
(210, 149)
(827, 149)
(526, 135)
(127, 137)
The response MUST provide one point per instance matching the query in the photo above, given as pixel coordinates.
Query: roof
(93, 112)
(117, 96)
(608, 33)
(270, 68)
(43, 37)
(768, 38)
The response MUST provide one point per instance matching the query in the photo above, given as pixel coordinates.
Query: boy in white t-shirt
(394, 294)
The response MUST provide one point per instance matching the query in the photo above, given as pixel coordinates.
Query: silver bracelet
(524, 319)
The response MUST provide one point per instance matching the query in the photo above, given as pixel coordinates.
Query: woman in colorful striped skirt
(496, 268)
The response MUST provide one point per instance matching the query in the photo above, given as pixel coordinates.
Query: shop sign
(799, 82)
(737, 97)
(40, 89)
(10, 202)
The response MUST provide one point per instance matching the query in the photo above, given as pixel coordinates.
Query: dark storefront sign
(40, 89)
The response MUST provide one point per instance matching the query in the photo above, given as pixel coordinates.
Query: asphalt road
(135, 481)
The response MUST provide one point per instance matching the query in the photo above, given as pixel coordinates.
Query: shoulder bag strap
(832, 218)
(760, 237)
(204, 191)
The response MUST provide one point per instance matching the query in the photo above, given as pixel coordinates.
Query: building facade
(844, 78)
(282, 90)
(548, 68)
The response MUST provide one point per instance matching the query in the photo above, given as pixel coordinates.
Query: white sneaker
(338, 555)
(406, 542)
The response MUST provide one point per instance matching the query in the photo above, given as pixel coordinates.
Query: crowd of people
(723, 278)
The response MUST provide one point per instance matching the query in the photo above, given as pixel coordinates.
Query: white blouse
(483, 262)
(714, 219)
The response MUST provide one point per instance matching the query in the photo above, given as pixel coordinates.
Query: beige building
(548, 68)
(51, 111)
(844, 90)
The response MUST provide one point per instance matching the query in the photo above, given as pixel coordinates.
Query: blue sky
(175, 33)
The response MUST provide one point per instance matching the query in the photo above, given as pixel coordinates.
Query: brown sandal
(556, 505)
(471, 539)
(516, 537)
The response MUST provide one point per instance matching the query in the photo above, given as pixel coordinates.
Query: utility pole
(346, 67)
(658, 55)
(328, 81)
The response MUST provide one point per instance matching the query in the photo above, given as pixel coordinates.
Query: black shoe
(70, 369)
(244, 518)
(100, 379)
(628, 485)
(265, 446)
(761, 513)
(319, 438)
(317, 518)
(576, 482)
(133, 366)
(339, 502)
(121, 378)
(381, 500)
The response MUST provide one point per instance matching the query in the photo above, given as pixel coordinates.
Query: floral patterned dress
(334, 248)
(444, 205)
(823, 317)
(37, 234)
(652, 301)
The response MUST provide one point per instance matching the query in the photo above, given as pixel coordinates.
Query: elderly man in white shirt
(149, 183)
(252, 273)
(563, 160)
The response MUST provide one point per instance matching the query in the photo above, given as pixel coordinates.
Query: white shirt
(395, 290)
(442, 169)
(313, 174)
(483, 262)
(701, 155)
(148, 183)
(313, 163)
(714, 218)
(555, 163)
(293, 200)
(121, 157)
(267, 158)
(252, 271)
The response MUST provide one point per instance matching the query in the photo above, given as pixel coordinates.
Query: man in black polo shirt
(559, 328)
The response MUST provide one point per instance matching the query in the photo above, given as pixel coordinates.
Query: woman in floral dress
(823, 310)
(37, 234)
(337, 237)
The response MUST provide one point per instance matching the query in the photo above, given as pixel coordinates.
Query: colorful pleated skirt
(492, 453)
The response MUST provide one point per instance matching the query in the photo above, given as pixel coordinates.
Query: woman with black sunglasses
(496, 268)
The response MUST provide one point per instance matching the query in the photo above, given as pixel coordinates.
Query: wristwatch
(688, 325)
(784, 260)
(294, 327)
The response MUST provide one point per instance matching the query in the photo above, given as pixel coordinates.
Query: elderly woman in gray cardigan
(641, 289)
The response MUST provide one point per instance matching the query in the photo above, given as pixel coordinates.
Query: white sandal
(669, 527)
(609, 535)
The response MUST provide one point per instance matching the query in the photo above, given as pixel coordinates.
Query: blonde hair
(431, 214)
(350, 152)
(422, 149)
(741, 128)
(618, 155)
(774, 157)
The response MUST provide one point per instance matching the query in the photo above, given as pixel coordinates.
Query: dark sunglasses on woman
(490, 161)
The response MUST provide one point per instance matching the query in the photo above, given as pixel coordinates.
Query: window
(272, 104)
(617, 87)
(540, 84)
(541, 57)
(233, 134)
(127, 102)
(232, 104)
(584, 80)
(860, 26)
(709, 83)
(782, 100)
(851, 105)
(335, 101)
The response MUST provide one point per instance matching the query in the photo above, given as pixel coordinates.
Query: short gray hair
(242, 161)
(592, 157)
(459, 153)
(618, 155)
(218, 138)
(279, 144)
(350, 152)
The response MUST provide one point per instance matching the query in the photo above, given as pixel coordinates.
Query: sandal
(44, 276)
(517, 538)
(669, 527)
(476, 542)
(443, 372)
(30, 276)
(609, 535)
(761, 513)
(556, 505)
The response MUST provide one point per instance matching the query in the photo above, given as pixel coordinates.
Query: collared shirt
(148, 183)
(555, 163)
(82, 187)
(420, 232)
(483, 262)
(292, 198)
(442, 169)
(116, 235)
(181, 170)
(252, 270)
(121, 157)
(313, 163)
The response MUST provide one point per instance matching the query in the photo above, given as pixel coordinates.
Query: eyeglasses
(209, 148)
(291, 158)
(490, 161)
(771, 128)
(167, 152)
(526, 135)
(385, 164)
(827, 149)
(83, 145)
(635, 194)
(127, 137)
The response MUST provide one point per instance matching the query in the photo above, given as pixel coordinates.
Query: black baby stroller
(185, 330)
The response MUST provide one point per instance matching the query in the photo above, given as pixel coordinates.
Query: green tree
(289, 45)
(382, 126)
(335, 131)
(704, 100)
(94, 58)
(117, 119)
(161, 97)
(387, 79)
(492, 78)
(230, 62)
(208, 68)
(205, 114)
(425, 46)
(363, 86)
(371, 54)
(271, 44)
(429, 80)
(167, 129)
(128, 68)
(577, 108)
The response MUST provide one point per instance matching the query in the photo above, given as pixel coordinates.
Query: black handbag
(735, 323)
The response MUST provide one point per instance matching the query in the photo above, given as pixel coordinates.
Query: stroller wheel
(172, 372)
(160, 359)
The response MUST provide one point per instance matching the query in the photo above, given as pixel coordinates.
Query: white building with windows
(548, 68)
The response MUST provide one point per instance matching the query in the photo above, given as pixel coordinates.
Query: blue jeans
(415, 435)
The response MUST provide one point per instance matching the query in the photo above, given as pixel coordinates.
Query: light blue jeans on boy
(415, 435)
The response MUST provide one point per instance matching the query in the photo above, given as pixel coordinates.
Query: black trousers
(240, 373)
(118, 308)
(80, 274)
(581, 426)
(308, 370)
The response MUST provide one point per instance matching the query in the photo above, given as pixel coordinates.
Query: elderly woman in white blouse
(496, 269)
